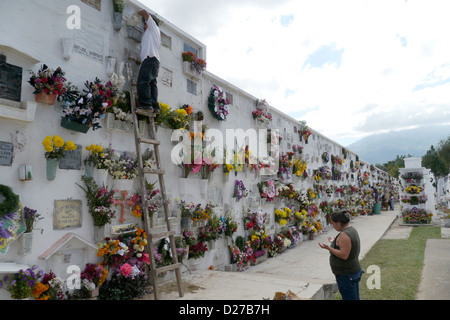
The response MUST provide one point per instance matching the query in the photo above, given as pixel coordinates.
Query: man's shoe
(150, 108)
(156, 110)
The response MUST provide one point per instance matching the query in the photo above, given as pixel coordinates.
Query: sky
(348, 68)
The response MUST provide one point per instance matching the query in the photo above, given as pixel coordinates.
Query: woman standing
(344, 253)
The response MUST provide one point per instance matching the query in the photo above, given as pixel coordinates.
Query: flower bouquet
(22, 284)
(99, 201)
(239, 190)
(218, 104)
(47, 84)
(196, 64)
(87, 108)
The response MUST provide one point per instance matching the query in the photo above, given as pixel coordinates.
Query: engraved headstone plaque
(10, 81)
(72, 159)
(67, 214)
(6, 153)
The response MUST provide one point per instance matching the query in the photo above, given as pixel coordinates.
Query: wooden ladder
(151, 235)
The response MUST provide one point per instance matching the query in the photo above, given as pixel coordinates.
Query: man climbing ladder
(147, 89)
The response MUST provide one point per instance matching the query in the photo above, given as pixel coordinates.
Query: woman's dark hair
(341, 216)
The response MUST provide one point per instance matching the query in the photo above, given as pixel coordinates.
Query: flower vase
(26, 243)
(74, 126)
(117, 20)
(42, 97)
(51, 166)
(184, 223)
(99, 234)
(204, 186)
(101, 176)
(89, 170)
(311, 236)
(123, 184)
(95, 292)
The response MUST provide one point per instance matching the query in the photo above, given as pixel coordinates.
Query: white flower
(89, 95)
(80, 101)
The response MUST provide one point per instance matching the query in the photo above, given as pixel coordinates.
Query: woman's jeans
(147, 88)
(349, 285)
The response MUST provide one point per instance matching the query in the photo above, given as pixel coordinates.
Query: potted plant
(85, 110)
(30, 216)
(21, 285)
(192, 65)
(54, 151)
(119, 6)
(47, 84)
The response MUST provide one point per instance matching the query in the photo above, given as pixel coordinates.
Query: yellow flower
(181, 112)
(88, 148)
(70, 146)
(58, 142)
(164, 107)
(48, 148)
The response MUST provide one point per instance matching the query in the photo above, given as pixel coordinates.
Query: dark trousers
(348, 286)
(147, 89)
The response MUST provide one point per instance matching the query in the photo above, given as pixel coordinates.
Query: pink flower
(126, 269)
(146, 258)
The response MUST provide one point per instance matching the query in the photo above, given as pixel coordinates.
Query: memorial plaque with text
(67, 214)
(10, 81)
(71, 160)
(6, 153)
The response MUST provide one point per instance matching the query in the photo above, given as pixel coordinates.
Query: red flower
(250, 225)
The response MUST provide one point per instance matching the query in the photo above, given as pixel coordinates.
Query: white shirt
(151, 41)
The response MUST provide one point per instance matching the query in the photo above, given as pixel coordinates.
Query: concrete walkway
(304, 270)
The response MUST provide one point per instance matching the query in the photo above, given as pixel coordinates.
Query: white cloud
(393, 56)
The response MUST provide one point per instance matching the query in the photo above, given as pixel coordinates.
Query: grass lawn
(400, 262)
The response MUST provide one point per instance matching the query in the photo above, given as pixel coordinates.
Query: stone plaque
(89, 44)
(72, 159)
(67, 214)
(6, 153)
(10, 81)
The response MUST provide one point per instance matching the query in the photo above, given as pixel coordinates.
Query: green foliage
(435, 163)
(392, 167)
(121, 288)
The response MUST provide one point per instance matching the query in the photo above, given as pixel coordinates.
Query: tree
(432, 161)
(444, 151)
(392, 167)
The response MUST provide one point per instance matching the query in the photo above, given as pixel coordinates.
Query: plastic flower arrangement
(23, 283)
(99, 201)
(261, 114)
(90, 106)
(98, 157)
(197, 64)
(95, 274)
(123, 166)
(299, 167)
(30, 216)
(55, 147)
(255, 220)
(239, 190)
(267, 190)
(413, 189)
(48, 81)
(173, 119)
(227, 168)
(416, 216)
(218, 104)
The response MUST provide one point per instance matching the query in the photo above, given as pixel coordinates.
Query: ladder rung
(169, 267)
(145, 112)
(161, 234)
(154, 171)
(149, 141)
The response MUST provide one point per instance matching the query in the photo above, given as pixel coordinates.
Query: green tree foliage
(437, 160)
(392, 167)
